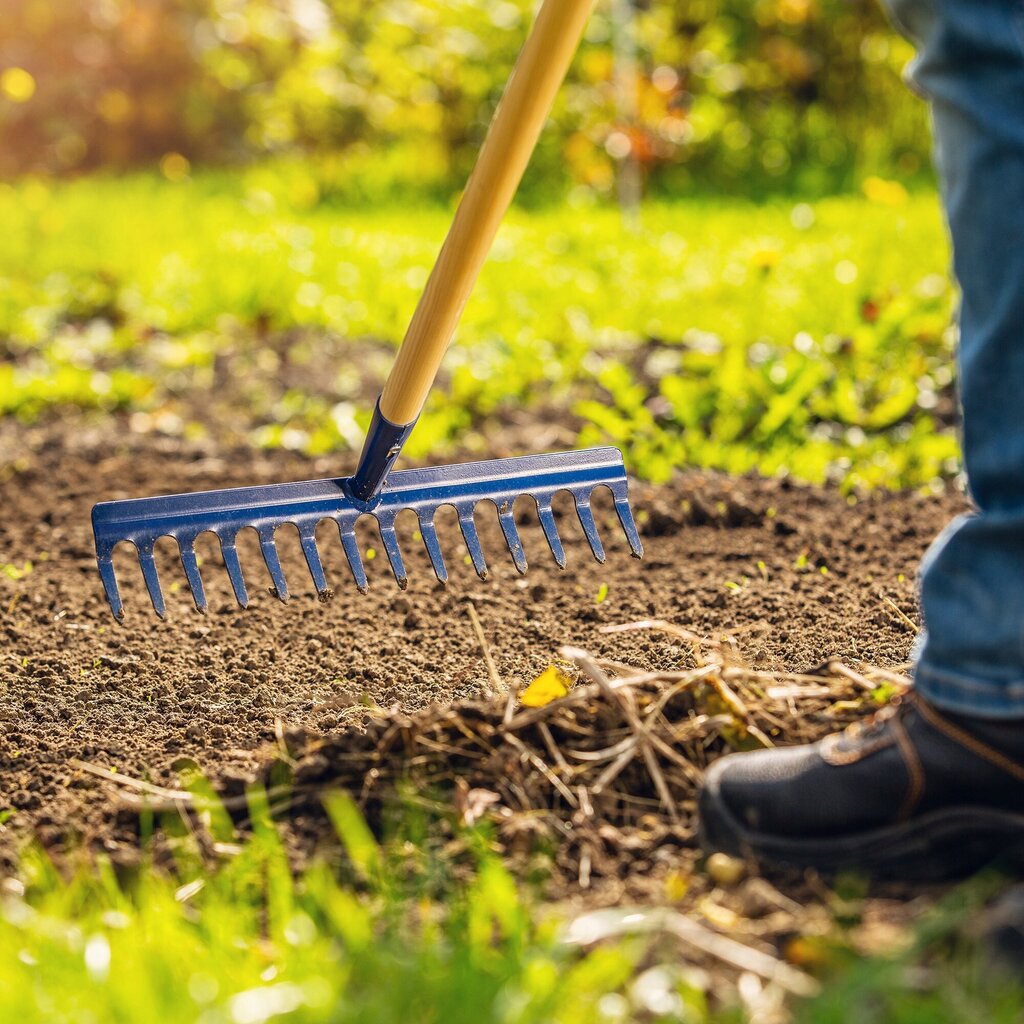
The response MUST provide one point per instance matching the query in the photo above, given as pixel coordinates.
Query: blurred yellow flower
(17, 84)
(174, 166)
(888, 193)
(114, 106)
(765, 258)
(794, 12)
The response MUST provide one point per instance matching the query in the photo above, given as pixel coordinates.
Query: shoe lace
(876, 723)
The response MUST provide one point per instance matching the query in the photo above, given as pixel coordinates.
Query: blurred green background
(747, 95)
(727, 252)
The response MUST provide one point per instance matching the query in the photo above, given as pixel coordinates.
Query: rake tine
(625, 514)
(304, 504)
(234, 568)
(355, 563)
(149, 574)
(547, 522)
(512, 538)
(472, 539)
(273, 563)
(191, 566)
(394, 553)
(110, 587)
(586, 514)
(430, 542)
(316, 569)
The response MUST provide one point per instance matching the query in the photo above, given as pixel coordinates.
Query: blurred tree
(115, 83)
(739, 94)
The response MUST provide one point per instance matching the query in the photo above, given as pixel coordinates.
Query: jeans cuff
(966, 695)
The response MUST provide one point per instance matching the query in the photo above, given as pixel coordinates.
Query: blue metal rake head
(373, 488)
(142, 521)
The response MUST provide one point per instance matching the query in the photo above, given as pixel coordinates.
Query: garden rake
(374, 489)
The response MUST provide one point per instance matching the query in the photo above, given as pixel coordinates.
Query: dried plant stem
(901, 614)
(592, 669)
(855, 677)
(492, 670)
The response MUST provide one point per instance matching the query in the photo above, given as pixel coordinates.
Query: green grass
(808, 339)
(249, 943)
(404, 936)
(399, 934)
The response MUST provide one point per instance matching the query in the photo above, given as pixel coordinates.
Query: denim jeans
(970, 65)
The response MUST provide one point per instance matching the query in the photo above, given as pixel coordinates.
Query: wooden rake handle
(511, 138)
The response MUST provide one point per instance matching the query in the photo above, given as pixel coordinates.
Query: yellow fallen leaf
(677, 885)
(809, 951)
(551, 684)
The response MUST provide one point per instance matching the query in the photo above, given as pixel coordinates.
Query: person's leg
(935, 786)
(971, 67)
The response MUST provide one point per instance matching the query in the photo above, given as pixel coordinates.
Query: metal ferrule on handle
(383, 445)
(511, 138)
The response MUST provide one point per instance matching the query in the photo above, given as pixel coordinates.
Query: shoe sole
(950, 843)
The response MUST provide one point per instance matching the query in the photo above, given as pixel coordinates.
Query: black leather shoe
(912, 793)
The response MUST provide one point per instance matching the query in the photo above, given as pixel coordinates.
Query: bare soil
(797, 575)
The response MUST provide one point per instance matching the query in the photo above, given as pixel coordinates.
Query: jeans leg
(970, 65)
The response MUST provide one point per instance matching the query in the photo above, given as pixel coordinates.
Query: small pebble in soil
(725, 870)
